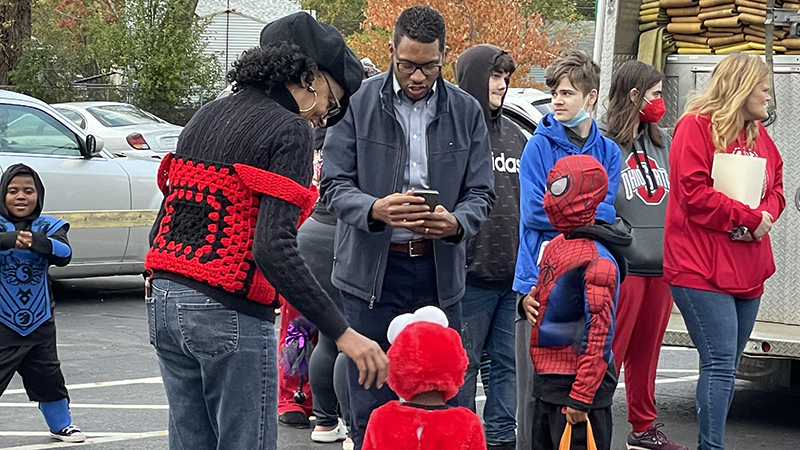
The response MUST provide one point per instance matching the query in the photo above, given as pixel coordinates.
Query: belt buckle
(411, 253)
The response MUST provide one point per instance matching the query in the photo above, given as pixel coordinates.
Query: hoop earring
(313, 104)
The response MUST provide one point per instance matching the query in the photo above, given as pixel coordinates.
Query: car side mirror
(91, 146)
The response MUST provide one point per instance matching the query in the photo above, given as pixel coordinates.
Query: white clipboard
(739, 177)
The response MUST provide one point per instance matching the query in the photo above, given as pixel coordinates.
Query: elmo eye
(559, 186)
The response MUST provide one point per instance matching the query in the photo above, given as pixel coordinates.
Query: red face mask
(653, 111)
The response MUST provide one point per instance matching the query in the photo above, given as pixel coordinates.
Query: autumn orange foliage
(75, 11)
(527, 37)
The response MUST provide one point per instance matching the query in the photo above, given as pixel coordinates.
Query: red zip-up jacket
(698, 252)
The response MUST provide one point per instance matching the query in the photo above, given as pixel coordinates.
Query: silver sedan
(126, 129)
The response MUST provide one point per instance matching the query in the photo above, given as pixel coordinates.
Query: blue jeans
(719, 325)
(488, 322)
(219, 369)
(409, 284)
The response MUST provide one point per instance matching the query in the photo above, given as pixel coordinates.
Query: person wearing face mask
(635, 107)
(224, 249)
(574, 80)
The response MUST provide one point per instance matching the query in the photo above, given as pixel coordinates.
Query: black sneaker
(652, 439)
(70, 433)
(294, 419)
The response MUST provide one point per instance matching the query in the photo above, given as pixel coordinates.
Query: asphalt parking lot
(118, 399)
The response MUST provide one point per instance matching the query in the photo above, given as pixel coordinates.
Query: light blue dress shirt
(414, 118)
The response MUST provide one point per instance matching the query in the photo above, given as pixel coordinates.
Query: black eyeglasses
(409, 68)
(334, 110)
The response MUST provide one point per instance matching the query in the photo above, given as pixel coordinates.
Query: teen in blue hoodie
(574, 81)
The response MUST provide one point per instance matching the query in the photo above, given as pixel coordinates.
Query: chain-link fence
(191, 100)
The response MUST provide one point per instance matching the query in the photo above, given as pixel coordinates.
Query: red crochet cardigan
(217, 206)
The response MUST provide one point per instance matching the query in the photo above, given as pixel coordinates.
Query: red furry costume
(424, 357)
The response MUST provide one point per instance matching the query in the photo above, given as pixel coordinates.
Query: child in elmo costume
(427, 364)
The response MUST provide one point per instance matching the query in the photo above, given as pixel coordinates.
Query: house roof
(261, 10)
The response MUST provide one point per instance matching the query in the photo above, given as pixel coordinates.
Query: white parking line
(92, 438)
(71, 387)
(668, 380)
(678, 349)
(85, 405)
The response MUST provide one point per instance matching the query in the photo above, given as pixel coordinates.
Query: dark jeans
(410, 284)
(219, 369)
(315, 243)
(488, 323)
(549, 423)
(719, 325)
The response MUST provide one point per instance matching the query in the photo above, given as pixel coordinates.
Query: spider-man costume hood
(576, 185)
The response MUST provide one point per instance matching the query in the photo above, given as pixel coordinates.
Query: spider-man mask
(575, 186)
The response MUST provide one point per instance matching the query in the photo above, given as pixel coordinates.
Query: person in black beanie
(223, 247)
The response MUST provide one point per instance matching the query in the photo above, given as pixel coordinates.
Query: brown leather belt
(419, 247)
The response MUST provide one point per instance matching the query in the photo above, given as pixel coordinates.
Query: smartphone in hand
(431, 197)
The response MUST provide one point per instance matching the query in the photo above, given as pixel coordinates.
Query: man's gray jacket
(365, 155)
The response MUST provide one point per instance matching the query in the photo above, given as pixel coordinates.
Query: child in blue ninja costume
(29, 244)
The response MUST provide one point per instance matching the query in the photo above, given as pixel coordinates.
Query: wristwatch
(738, 232)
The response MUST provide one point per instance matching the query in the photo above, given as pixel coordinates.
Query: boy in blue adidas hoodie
(29, 243)
(574, 81)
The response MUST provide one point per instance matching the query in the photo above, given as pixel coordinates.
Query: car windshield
(76, 118)
(122, 115)
(544, 106)
(29, 130)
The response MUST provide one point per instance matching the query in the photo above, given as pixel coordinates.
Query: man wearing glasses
(406, 130)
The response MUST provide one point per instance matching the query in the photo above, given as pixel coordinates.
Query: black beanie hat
(325, 45)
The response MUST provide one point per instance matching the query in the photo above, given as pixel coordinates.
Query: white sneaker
(70, 433)
(337, 434)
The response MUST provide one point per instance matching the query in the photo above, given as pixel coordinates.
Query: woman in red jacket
(717, 251)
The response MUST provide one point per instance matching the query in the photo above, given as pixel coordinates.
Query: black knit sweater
(268, 133)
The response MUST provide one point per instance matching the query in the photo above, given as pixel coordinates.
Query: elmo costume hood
(425, 356)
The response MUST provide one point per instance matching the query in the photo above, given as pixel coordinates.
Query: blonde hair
(731, 83)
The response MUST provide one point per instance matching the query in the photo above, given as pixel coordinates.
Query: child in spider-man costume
(579, 276)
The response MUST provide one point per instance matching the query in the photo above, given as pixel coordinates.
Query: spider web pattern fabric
(577, 290)
(209, 224)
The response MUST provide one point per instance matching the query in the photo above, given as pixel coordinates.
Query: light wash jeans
(219, 369)
(487, 317)
(719, 325)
